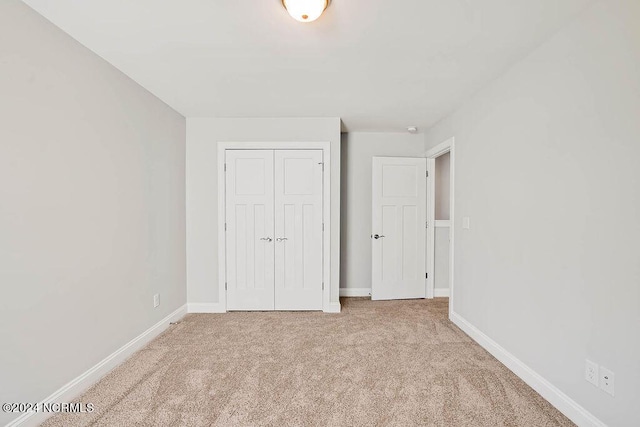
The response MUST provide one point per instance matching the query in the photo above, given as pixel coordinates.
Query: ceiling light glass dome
(305, 10)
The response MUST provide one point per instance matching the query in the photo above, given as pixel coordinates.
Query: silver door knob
(281, 239)
(268, 239)
(378, 236)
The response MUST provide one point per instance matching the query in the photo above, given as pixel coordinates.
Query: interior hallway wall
(443, 188)
(92, 218)
(547, 171)
(441, 261)
(442, 234)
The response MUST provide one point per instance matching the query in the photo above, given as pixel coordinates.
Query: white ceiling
(379, 65)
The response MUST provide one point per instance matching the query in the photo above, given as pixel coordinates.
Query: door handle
(378, 236)
(281, 239)
(268, 239)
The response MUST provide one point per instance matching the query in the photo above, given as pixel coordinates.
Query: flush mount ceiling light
(305, 10)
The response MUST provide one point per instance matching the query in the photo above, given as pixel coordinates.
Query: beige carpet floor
(396, 363)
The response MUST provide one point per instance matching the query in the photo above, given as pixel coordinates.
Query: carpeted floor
(395, 363)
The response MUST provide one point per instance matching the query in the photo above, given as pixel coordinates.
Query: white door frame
(326, 210)
(447, 146)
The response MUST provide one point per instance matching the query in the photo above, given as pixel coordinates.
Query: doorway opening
(440, 220)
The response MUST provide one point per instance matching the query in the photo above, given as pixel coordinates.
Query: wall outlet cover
(156, 300)
(591, 372)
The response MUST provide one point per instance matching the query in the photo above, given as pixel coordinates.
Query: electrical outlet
(591, 372)
(156, 300)
(606, 380)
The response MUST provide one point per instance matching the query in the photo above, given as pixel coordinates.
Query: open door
(399, 228)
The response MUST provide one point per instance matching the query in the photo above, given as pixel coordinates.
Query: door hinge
(225, 226)
(225, 167)
(322, 164)
(323, 226)
(426, 224)
(426, 275)
(323, 286)
(427, 174)
(225, 286)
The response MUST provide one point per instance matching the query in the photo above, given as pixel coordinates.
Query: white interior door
(250, 224)
(298, 229)
(399, 228)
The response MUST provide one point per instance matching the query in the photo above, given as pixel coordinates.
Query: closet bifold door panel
(274, 230)
(298, 229)
(250, 224)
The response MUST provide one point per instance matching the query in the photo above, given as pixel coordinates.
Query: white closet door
(399, 234)
(249, 239)
(298, 229)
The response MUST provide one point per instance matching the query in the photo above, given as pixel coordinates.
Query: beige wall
(92, 220)
(547, 170)
(358, 149)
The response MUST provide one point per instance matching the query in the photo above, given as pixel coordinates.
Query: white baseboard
(196, 307)
(441, 293)
(355, 292)
(334, 307)
(366, 292)
(77, 386)
(570, 408)
(213, 307)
